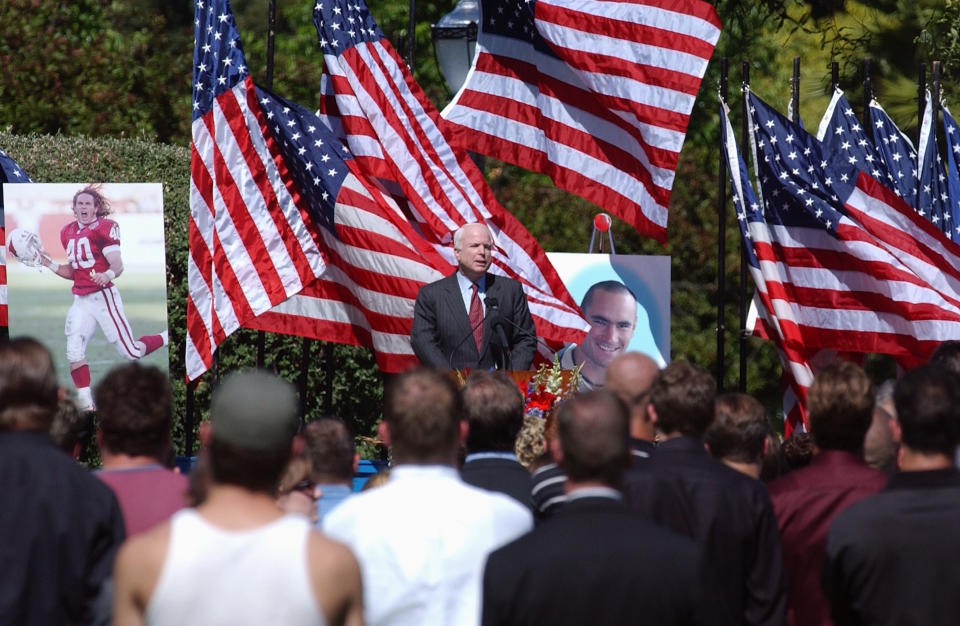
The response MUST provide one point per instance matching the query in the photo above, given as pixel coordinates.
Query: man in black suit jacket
(594, 562)
(494, 407)
(728, 514)
(441, 331)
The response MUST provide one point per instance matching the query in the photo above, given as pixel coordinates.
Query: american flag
(841, 133)
(284, 234)
(372, 101)
(897, 152)
(775, 306)
(952, 136)
(10, 172)
(597, 95)
(841, 256)
(932, 194)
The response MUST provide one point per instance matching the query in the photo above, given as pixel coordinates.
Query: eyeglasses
(306, 487)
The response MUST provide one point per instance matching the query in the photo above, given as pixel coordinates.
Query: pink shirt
(147, 495)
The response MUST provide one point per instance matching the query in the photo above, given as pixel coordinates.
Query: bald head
(630, 376)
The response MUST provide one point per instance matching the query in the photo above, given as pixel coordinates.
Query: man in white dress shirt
(422, 538)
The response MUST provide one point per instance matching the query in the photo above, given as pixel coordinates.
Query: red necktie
(476, 317)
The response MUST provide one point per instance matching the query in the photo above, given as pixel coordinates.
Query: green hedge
(341, 380)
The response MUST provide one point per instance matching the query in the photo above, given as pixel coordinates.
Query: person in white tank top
(237, 559)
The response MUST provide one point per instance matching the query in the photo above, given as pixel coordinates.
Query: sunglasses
(304, 486)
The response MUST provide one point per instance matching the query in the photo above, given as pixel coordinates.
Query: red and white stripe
(607, 119)
(250, 246)
(394, 132)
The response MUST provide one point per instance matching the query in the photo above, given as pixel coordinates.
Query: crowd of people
(652, 500)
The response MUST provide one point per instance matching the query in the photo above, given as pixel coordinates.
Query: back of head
(71, 428)
(683, 396)
(928, 409)
(947, 355)
(879, 448)
(253, 418)
(28, 386)
(739, 428)
(798, 450)
(593, 432)
(493, 405)
(630, 376)
(423, 410)
(133, 404)
(840, 403)
(329, 446)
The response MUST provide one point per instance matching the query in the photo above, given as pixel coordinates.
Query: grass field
(38, 304)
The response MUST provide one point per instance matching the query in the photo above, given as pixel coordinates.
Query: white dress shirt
(466, 291)
(422, 541)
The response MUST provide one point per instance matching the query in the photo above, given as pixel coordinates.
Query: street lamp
(454, 42)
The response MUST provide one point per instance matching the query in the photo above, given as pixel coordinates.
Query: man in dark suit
(446, 311)
(726, 513)
(594, 562)
(891, 558)
(494, 407)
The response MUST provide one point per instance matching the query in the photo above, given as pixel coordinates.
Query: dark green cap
(255, 410)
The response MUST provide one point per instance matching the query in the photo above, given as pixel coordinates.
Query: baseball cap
(254, 410)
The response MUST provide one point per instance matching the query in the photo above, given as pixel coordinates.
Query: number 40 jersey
(86, 248)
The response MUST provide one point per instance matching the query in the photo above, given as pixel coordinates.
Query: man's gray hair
(458, 234)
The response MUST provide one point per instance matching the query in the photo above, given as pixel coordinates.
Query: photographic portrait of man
(626, 300)
(611, 310)
(86, 274)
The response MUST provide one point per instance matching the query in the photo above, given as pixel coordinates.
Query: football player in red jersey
(92, 244)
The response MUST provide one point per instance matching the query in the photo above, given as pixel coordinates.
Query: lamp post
(454, 42)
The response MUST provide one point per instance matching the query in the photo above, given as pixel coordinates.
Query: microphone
(496, 322)
(462, 341)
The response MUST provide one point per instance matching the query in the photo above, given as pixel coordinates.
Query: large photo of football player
(86, 251)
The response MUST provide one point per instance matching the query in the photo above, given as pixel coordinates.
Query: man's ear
(896, 433)
(652, 413)
(296, 446)
(206, 433)
(464, 429)
(556, 450)
(356, 462)
(383, 432)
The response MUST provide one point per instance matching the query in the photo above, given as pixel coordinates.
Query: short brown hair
(683, 395)
(423, 409)
(493, 405)
(28, 385)
(840, 403)
(594, 436)
(739, 428)
(256, 470)
(133, 404)
(329, 445)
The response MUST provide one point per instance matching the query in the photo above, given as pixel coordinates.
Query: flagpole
(795, 90)
(867, 90)
(921, 101)
(412, 31)
(268, 83)
(834, 76)
(935, 96)
(721, 239)
(742, 338)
